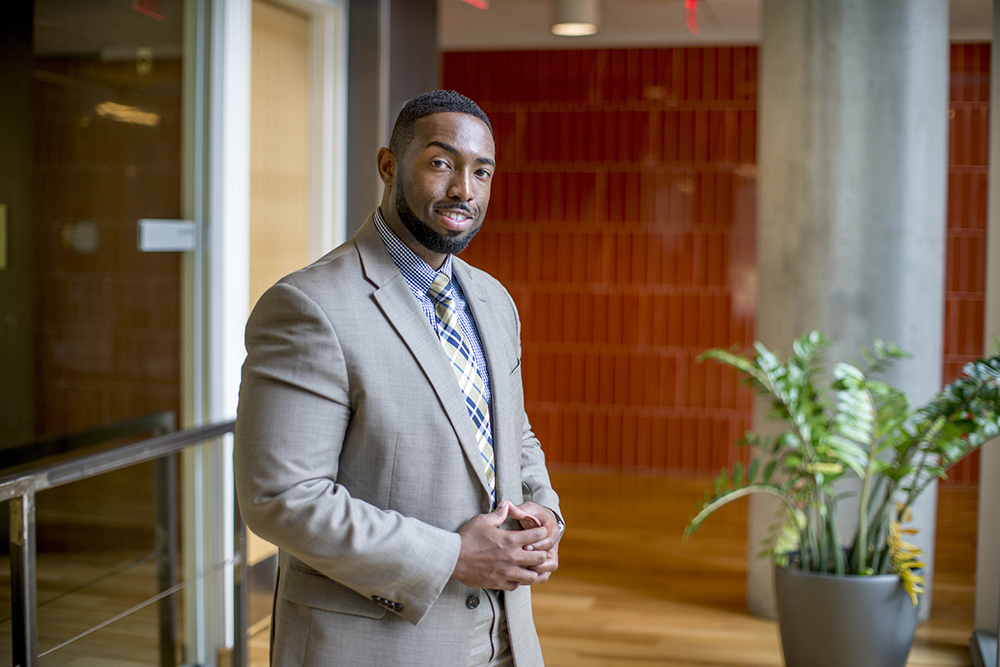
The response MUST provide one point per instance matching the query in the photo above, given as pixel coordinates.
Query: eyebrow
(451, 149)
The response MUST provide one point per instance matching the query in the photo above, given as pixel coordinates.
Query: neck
(433, 259)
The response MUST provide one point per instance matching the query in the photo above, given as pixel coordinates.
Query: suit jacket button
(397, 607)
(472, 602)
(377, 599)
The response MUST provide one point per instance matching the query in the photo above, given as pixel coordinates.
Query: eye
(483, 173)
(438, 163)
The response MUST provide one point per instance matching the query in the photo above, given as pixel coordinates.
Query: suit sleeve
(293, 414)
(535, 484)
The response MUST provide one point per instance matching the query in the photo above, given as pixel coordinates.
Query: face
(441, 185)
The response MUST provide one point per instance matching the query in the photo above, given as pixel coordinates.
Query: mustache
(457, 207)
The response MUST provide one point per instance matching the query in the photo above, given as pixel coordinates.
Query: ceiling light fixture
(126, 114)
(481, 4)
(575, 18)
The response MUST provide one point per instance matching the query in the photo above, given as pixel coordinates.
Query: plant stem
(742, 493)
(861, 547)
(823, 528)
(885, 557)
(914, 491)
(883, 543)
(878, 517)
(886, 563)
(838, 550)
(925, 437)
(877, 554)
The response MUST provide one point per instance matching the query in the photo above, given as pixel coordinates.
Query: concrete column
(988, 549)
(852, 165)
(392, 58)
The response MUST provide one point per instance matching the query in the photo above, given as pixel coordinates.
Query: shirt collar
(418, 274)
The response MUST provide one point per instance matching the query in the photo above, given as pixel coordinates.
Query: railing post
(166, 547)
(240, 593)
(23, 585)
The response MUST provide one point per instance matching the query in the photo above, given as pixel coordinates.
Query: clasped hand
(499, 559)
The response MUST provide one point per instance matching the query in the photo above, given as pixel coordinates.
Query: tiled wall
(623, 225)
(967, 190)
(107, 315)
(624, 228)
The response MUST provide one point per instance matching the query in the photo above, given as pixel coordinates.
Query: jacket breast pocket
(312, 589)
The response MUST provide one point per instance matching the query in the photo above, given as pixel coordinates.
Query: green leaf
(737, 475)
(844, 371)
(849, 453)
(966, 426)
(769, 469)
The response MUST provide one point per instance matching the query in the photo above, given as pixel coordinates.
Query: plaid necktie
(468, 377)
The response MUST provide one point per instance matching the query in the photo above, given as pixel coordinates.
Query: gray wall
(393, 57)
(17, 280)
(414, 62)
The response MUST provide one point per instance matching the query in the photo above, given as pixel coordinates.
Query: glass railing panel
(106, 566)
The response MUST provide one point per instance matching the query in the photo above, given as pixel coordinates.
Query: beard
(427, 237)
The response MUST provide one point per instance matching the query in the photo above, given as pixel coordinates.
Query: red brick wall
(623, 225)
(968, 123)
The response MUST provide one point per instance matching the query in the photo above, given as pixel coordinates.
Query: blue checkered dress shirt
(419, 276)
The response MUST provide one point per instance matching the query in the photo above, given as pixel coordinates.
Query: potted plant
(849, 601)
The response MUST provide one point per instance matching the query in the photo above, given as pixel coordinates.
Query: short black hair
(435, 101)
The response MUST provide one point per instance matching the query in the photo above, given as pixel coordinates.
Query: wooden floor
(629, 591)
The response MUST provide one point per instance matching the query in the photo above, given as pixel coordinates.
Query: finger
(523, 513)
(522, 538)
(549, 566)
(529, 559)
(545, 544)
(528, 524)
(499, 515)
(522, 576)
(517, 511)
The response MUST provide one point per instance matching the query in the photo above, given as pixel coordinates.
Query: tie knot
(440, 288)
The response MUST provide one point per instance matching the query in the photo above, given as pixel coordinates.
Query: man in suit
(381, 438)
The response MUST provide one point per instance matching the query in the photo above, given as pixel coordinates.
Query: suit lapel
(396, 301)
(496, 345)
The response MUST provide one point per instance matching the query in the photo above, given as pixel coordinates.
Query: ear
(386, 166)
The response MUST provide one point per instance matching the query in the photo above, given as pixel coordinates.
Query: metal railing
(20, 489)
(31, 453)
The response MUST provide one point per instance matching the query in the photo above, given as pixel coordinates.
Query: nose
(461, 188)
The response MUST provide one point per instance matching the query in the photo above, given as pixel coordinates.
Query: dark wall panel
(17, 279)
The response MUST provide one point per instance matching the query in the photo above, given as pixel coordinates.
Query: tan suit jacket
(355, 454)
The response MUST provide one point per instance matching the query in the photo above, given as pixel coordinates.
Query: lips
(454, 218)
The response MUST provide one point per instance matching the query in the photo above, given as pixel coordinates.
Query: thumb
(499, 515)
(519, 514)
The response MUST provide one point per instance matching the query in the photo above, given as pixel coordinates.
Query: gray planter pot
(850, 621)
